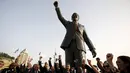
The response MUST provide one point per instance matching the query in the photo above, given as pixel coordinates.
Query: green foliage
(4, 55)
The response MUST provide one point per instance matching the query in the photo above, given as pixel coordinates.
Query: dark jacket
(70, 31)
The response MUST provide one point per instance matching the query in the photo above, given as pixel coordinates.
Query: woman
(123, 63)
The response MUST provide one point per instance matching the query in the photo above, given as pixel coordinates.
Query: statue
(73, 43)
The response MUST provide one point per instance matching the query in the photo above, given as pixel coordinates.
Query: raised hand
(97, 59)
(56, 3)
(40, 57)
(109, 57)
(59, 57)
(89, 62)
(50, 58)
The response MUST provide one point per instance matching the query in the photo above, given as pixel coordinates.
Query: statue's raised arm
(61, 18)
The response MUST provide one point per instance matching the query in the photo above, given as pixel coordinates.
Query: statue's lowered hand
(56, 4)
(94, 53)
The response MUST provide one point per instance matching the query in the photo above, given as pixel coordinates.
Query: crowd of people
(123, 66)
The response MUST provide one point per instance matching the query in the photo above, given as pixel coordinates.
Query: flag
(55, 56)
(16, 50)
(55, 53)
(39, 53)
(30, 59)
(23, 50)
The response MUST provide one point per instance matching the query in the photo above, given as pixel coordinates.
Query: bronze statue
(73, 43)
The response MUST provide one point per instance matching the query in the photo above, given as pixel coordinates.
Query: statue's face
(75, 17)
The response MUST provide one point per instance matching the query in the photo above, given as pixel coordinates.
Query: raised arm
(95, 70)
(50, 64)
(40, 64)
(60, 64)
(109, 57)
(100, 64)
(60, 17)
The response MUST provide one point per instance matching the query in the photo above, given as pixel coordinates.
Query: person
(11, 69)
(45, 68)
(100, 64)
(123, 64)
(86, 68)
(73, 43)
(35, 69)
(94, 67)
(107, 66)
(109, 58)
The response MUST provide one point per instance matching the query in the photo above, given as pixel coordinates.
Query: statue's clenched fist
(56, 3)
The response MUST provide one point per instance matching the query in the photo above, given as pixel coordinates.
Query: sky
(33, 24)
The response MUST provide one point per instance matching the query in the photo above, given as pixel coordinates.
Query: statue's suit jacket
(70, 32)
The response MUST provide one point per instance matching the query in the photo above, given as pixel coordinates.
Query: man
(35, 69)
(12, 69)
(73, 43)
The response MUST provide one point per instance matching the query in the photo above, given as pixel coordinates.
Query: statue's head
(75, 17)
